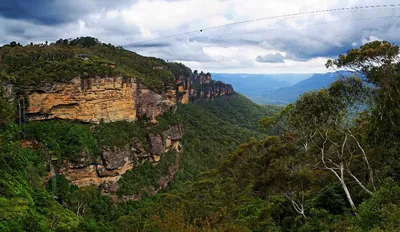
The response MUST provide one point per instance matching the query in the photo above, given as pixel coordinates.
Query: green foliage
(214, 129)
(146, 178)
(34, 66)
(331, 199)
(25, 205)
(379, 64)
(120, 133)
(382, 210)
(239, 111)
(7, 110)
(209, 136)
(63, 140)
(61, 188)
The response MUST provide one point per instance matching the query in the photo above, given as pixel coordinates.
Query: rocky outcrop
(162, 183)
(7, 91)
(105, 173)
(110, 99)
(116, 161)
(151, 104)
(156, 144)
(160, 143)
(201, 86)
(174, 133)
(98, 99)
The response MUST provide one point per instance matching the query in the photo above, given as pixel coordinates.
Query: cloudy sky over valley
(299, 44)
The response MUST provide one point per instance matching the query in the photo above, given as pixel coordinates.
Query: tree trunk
(346, 190)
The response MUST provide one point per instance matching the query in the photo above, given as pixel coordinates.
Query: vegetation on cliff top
(35, 65)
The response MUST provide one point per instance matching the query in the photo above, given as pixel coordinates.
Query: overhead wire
(301, 14)
(325, 23)
(396, 17)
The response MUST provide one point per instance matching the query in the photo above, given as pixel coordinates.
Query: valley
(94, 137)
(279, 89)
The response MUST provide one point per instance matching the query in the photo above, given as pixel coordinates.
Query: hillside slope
(101, 129)
(210, 136)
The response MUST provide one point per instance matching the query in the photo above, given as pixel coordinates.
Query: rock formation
(110, 99)
(98, 99)
(113, 99)
(115, 161)
(201, 86)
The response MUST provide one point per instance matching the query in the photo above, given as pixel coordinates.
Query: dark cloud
(271, 58)
(54, 12)
(147, 45)
(327, 40)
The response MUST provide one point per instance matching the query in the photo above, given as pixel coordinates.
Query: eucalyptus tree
(379, 64)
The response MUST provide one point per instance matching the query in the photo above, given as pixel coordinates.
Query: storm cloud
(55, 12)
(291, 44)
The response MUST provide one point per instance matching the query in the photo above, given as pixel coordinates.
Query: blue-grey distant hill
(286, 95)
(280, 89)
(255, 86)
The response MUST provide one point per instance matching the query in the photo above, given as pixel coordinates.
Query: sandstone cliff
(98, 99)
(111, 99)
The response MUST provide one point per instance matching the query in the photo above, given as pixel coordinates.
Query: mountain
(289, 94)
(255, 86)
(278, 89)
(100, 128)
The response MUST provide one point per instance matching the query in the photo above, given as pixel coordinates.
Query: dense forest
(328, 162)
(28, 204)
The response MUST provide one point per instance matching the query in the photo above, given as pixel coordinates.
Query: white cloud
(305, 42)
(368, 39)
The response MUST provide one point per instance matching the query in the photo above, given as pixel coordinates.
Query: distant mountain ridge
(318, 81)
(289, 94)
(255, 86)
(279, 89)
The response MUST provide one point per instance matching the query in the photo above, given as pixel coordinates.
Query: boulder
(156, 144)
(114, 158)
(174, 132)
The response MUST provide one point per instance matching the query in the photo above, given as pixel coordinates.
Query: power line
(325, 23)
(335, 10)
(321, 24)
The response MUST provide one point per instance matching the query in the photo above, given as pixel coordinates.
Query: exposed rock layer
(115, 161)
(98, 99)
(113, 99)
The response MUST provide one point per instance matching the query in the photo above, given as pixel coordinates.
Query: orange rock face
(89, 176)
(98, 99)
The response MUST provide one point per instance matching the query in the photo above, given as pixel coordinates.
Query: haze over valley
(277, 89)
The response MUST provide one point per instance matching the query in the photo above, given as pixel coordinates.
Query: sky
(300, 44)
